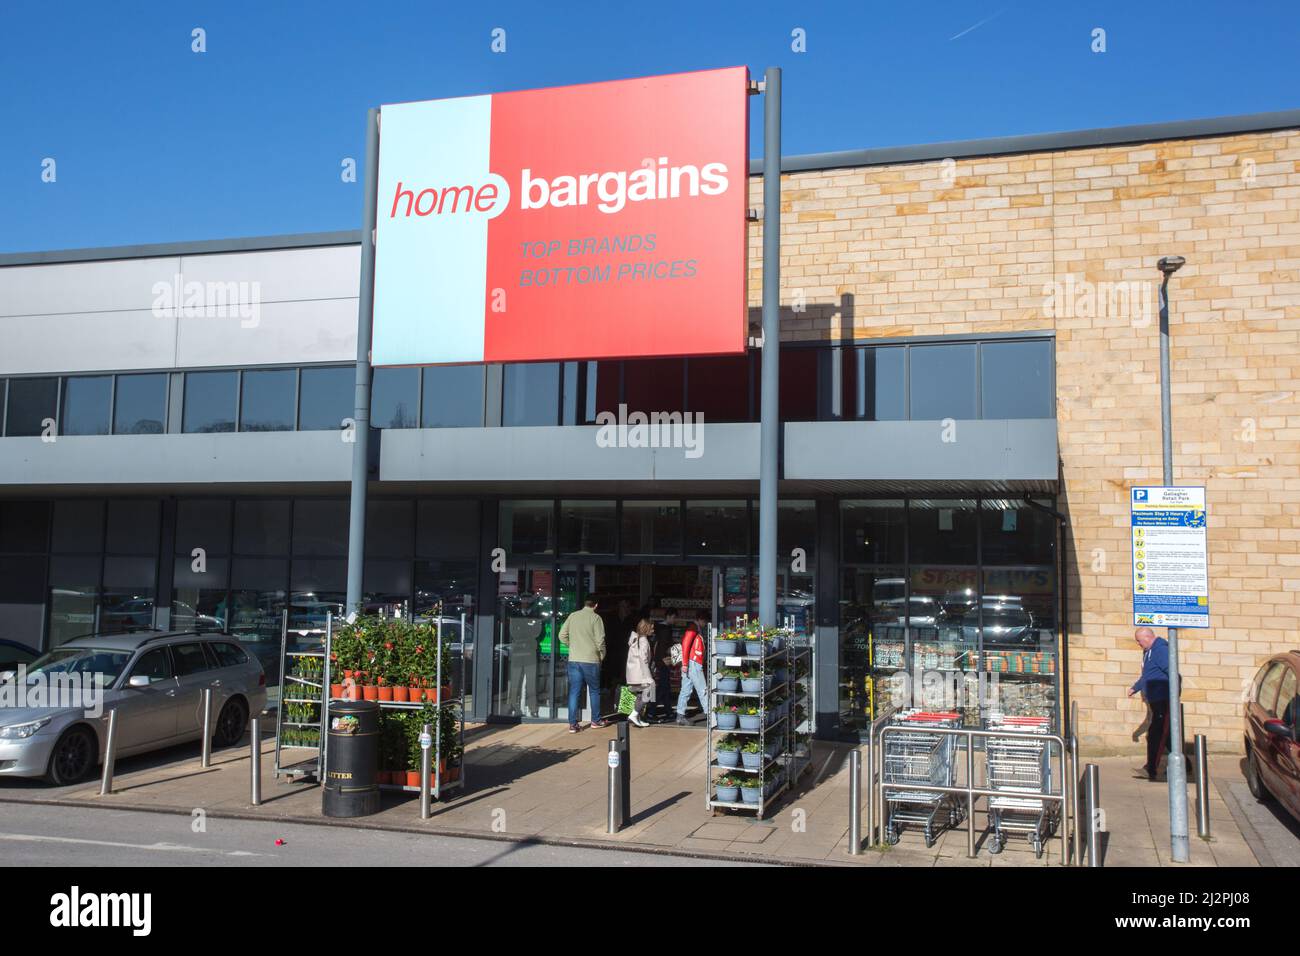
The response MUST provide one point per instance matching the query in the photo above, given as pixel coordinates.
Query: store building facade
(968, 389)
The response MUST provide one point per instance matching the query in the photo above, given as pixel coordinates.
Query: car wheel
(231, 723)
(73, 759)
(1253, 781)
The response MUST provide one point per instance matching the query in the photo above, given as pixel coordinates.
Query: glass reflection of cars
(1004, 622)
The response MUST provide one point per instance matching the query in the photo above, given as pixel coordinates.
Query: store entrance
(530, 666)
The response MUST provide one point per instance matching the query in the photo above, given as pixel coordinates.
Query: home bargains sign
(579, 222)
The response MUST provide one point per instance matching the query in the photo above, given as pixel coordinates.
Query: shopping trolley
(919, 758)
(1018, 767)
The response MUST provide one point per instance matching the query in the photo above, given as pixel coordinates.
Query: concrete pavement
(538, 783)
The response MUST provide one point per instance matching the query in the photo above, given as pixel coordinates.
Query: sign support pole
(770, 425)
(361, 412)
(1177, 768)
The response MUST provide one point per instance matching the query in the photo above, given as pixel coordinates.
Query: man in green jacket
(584, 635)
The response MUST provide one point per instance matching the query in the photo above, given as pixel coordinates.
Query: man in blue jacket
(1153, 685)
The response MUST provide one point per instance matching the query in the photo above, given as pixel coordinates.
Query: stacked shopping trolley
(1018, 768)
(923, 759)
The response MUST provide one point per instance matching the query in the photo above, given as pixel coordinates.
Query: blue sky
(156, 143)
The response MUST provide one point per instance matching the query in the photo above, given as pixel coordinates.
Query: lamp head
(1170, 264)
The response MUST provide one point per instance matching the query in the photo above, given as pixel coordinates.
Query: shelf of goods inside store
(752, 711)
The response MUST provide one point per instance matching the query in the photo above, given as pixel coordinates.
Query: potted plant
(728, 680)
(751, 681)
(728, 752)
(725, 715)
(751, 755)
(751, 788)
(728, 789)
(750, 716)
(726, 645)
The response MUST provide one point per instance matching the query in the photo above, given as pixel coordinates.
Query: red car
(1272, 734)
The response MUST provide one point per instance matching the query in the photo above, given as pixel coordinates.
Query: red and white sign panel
(580, 222)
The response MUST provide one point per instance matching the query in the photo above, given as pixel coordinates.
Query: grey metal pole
(1092, 800)
(614, 802)
(110, 755)
(1074, 780)
(207, 727)
(1202, 789)
(970, 796)
(1177, 770)
(255, 762)
(769, 418)
(871, 789)
(855, 802)
(361, 411)
(426, 765)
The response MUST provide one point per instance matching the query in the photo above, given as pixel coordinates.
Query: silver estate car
(153, 679)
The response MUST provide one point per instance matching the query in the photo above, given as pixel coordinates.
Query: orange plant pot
(412, 778)
(415, 694)
(336, 691)
(370, 692)
(401, 694)
(385, 692)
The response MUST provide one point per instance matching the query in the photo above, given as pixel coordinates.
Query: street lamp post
(1177, 772)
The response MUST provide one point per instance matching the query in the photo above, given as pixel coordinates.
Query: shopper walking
(1153, 685)
(583, 634)
(693, 669)
(641, 670)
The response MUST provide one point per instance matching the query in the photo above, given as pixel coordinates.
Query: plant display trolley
(299, 718)
(404, 664)
(759, 731)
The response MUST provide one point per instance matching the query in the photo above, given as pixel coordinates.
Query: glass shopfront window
(588, 527)
(1016, 379)
(453, 397)
(873, 641)
(140, 405)
(958, 613)
(32, 403)
(652, 527)
(211, 399)
(874, 384)
(528, 527)
(718, 388)
(942, 531)
(86, 402)
(326, 397)
(267, 400)
(717, 527)
(395, 398)
(530, 394)
(943, 382)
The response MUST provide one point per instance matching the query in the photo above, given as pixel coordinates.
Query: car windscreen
(81, 660)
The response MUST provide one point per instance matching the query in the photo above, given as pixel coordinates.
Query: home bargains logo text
(585, 222)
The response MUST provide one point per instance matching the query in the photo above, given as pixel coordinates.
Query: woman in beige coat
(640, 670)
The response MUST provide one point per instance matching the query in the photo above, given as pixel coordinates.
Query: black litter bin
(352, 759)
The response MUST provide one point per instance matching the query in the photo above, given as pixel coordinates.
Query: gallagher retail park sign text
(1171, 580)
(579, 222)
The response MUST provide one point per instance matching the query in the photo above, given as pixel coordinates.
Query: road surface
(39, 835)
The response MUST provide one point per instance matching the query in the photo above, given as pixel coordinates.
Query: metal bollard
(615, 799)
(855, 802)
(207, 727)
(426, 770)
(1092, 802)
(1202, 789)
(110, 755)
(255, 761)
